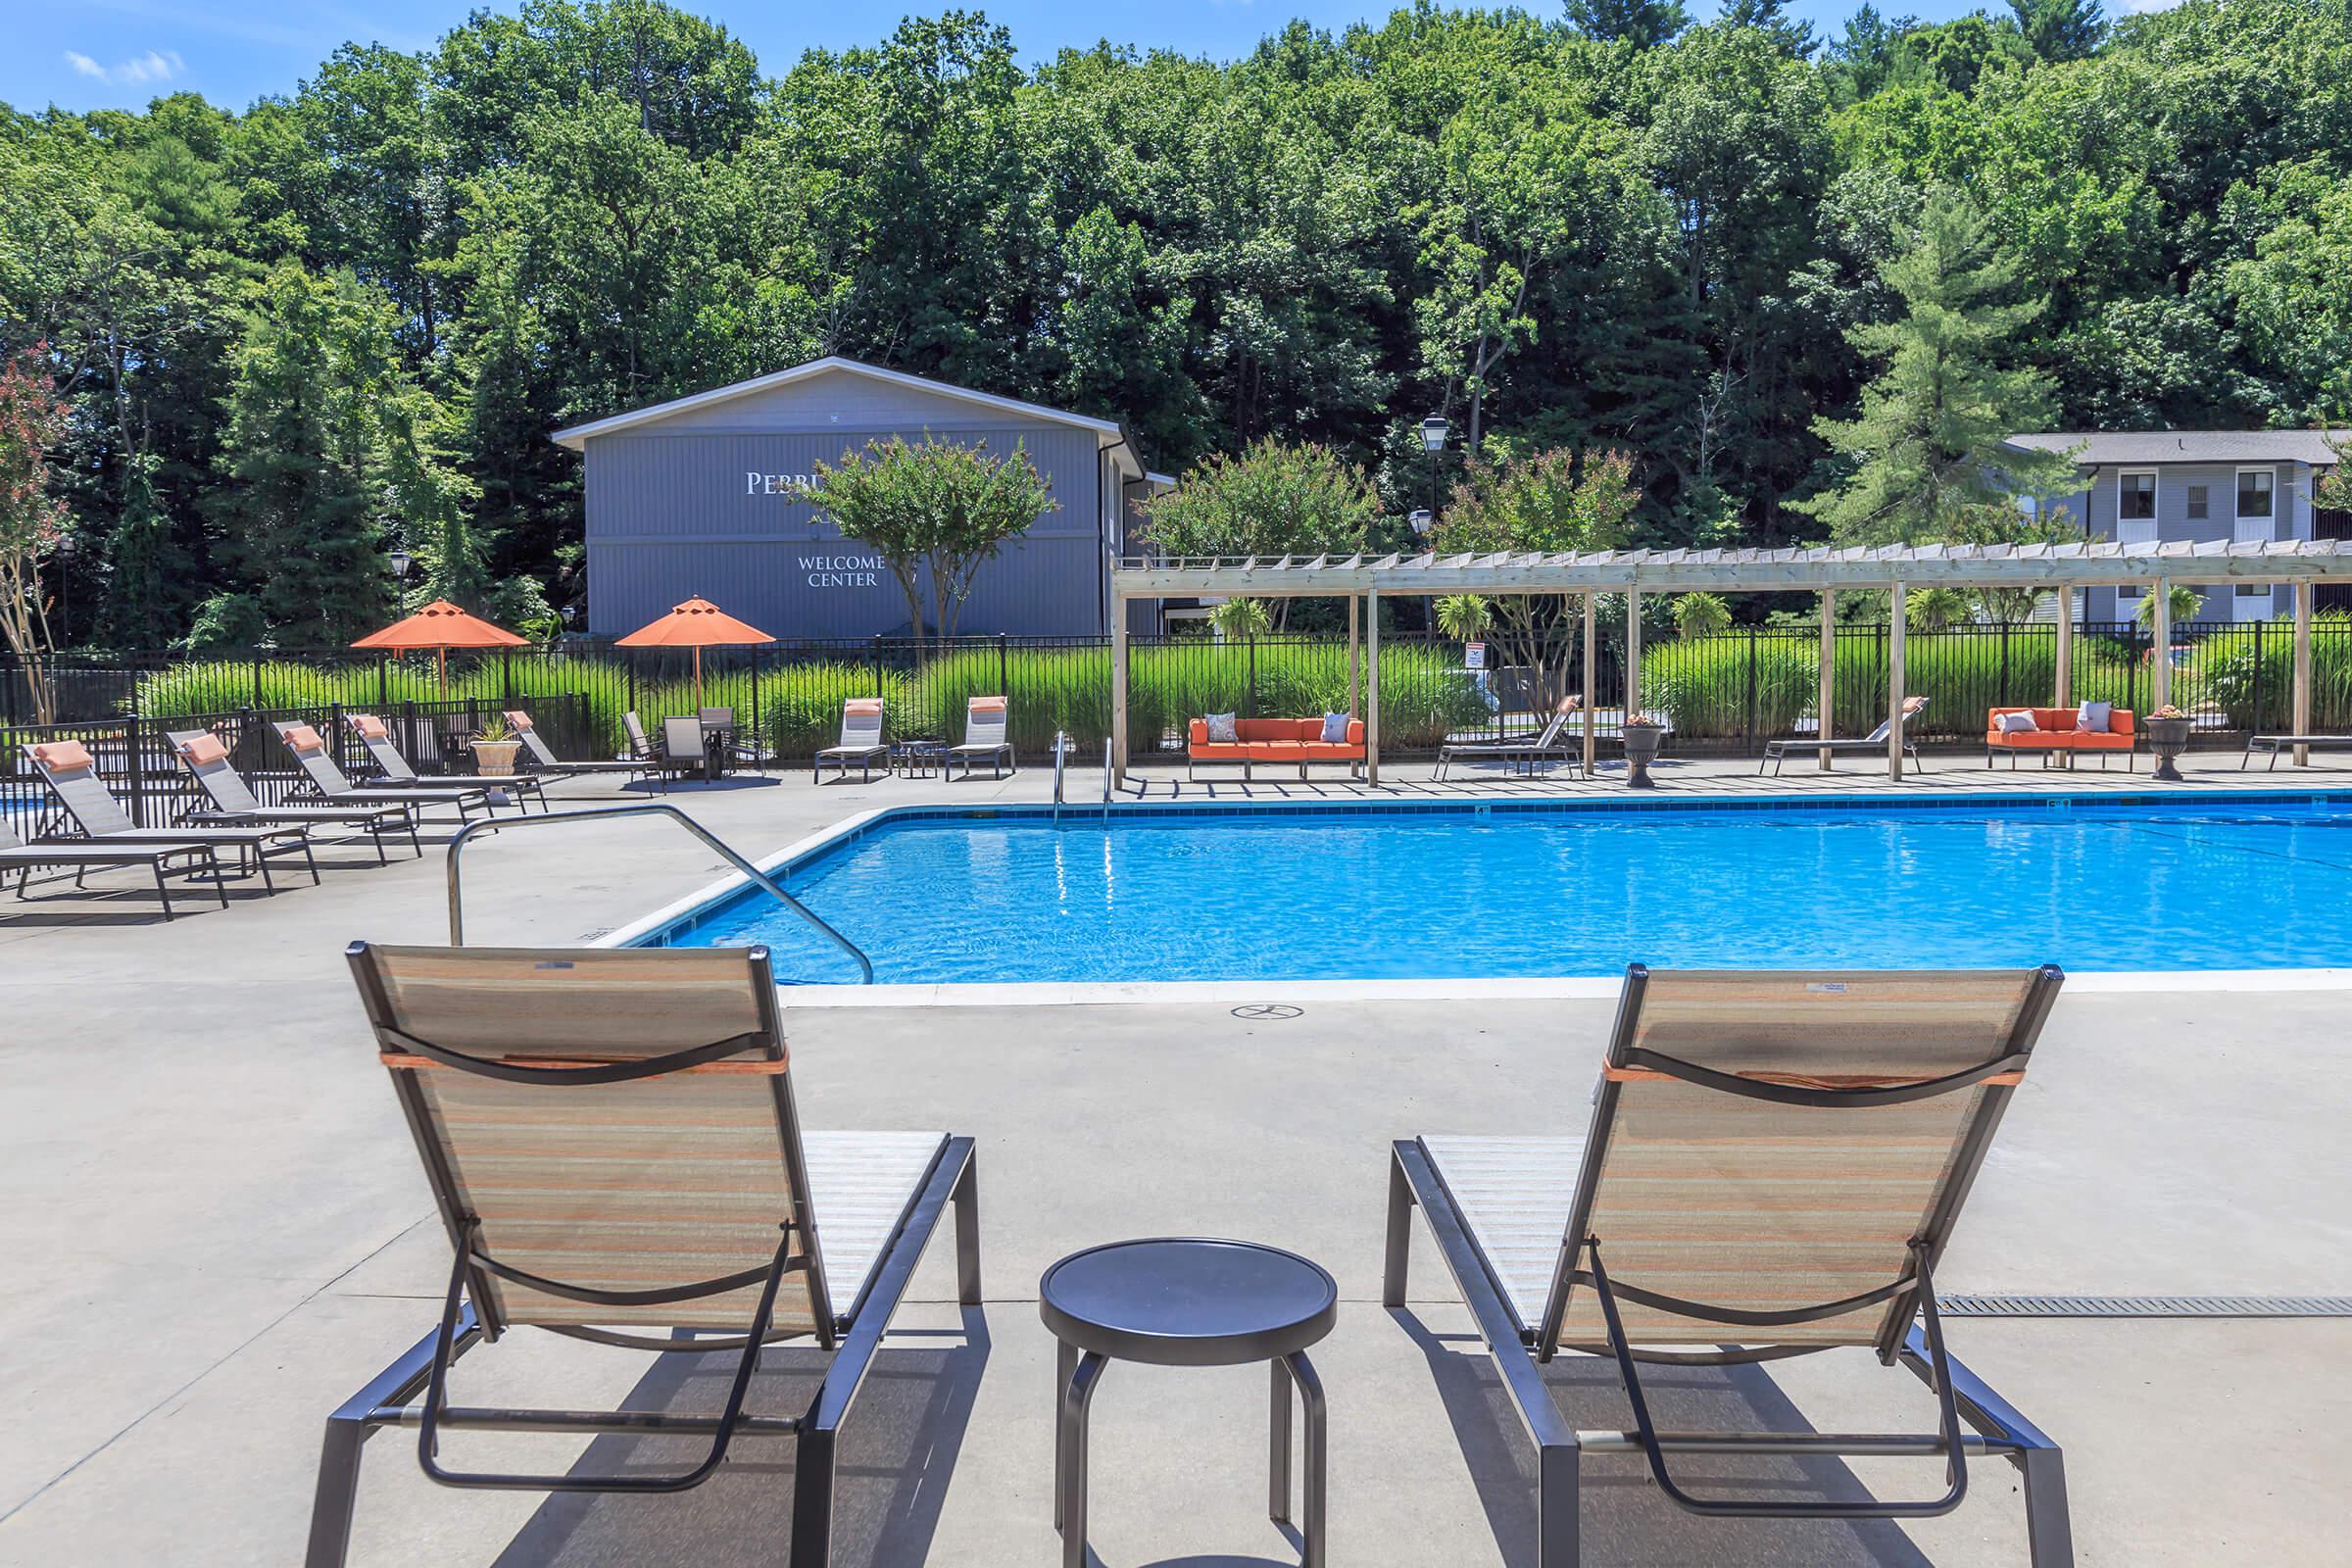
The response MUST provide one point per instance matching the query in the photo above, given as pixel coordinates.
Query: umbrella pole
(698, 678)
(441, 658)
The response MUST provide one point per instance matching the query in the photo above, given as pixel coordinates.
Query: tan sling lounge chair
(205, 758)
(611, 1141)
(544, 761)
(1774, 1164)
(72, 774)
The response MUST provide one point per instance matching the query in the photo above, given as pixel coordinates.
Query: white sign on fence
(1474, 656)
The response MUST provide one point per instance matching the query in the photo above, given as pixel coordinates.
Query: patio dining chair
(376, 737)
(1773, 1167)
(860, 741)
(985, 720)
(233, 804)
(613, 1143)
(72, 774)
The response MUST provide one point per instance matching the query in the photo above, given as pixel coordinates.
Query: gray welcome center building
(703, 495)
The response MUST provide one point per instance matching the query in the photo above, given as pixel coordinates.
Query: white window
(2135, 506)
(2200, 502)
(2254, 492)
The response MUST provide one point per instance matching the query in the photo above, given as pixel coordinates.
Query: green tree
(1771, 18)
(2062, 29)
(933, 509)
(1272, 500)
(32, 423)
(1927, 458)
(1643, 23)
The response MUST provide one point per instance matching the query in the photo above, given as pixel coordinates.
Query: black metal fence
(136, 756)
(1722, 692)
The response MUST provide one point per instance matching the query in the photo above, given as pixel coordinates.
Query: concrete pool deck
(218, 1232)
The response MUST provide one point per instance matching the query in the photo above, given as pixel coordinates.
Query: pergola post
(2162, 674)
(1118, 688)
(1372, 687)
(1896, 628)
(2302, 717)
(1633, 652)
(1829, 670)
(1354, 668)
(2064, 694)
(1592, 601)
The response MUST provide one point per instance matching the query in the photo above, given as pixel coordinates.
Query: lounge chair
(2275, 744)
(860, 741)
(71, 775)
(332, 785)
(1777, 751)
(1552, 745)
(82, 854)
(1774, 1164)
(984, 723)
(234, 805)
(545, 763)
(376, 737)
(610, 1138)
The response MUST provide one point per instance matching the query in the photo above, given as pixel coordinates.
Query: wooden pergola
(2059, 568)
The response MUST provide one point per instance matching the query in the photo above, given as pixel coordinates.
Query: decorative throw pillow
(1221, 731)
(2096, 718)
(2016, 723)
(1334, 729)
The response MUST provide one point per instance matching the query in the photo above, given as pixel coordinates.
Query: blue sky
(118, 54)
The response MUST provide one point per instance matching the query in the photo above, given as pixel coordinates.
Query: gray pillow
(2096, 718)
(2016, 723)
(1335, 728)
(1221, 731)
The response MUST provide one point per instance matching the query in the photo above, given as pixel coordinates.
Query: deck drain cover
(1267, 1009)
(2145, 1305)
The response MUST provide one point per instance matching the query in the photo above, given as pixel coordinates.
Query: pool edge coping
(1116, 993)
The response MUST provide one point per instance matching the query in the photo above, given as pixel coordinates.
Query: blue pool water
(1567, 888)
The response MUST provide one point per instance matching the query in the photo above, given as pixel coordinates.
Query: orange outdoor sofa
(2054, 733)
(1275, 740)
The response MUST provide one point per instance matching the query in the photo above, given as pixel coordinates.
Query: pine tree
(144, 565)
(1645, 24)
(1926, 452)
(1772, 17)
(305, 506)
(2062, 29)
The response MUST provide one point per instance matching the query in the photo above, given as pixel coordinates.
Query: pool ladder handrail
(1064, 746)
(775, 889)
(1107, 778)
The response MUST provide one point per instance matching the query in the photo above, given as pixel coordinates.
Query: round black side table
(1188, 1303)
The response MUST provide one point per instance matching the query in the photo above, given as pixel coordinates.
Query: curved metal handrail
(775, 890)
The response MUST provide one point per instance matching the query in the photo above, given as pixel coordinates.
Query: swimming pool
(1463, 890)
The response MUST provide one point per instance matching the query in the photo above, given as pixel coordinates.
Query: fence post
(256, 680)
(1004, 668)
(383, 689)
(137, 781)
(2131, 667)
(2254, 711)
(756, 731)
(506, 676)
(1748, 729)
(874, 656)
(2002, 700)
(1250, 697)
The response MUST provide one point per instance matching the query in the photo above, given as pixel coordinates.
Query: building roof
(1793, 570)
(1108, 432)
(2104, 447)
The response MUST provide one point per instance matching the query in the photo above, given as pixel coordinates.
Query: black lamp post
(1433, 442)
(68, 547)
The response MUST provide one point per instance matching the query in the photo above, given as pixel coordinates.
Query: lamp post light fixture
(401, 562)
(1433, 435)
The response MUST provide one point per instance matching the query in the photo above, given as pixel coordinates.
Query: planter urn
(2168, 738)
(495, 759)
(1641, 742)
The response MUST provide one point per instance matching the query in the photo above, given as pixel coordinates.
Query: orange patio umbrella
(698, 623)
(440, 626)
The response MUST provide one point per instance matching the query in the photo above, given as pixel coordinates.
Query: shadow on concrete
(1628, 1522)
(897, 1451)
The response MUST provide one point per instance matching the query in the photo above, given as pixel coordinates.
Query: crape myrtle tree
(32, 519)
(932, 509)
(1272, 500)
(1547, 501)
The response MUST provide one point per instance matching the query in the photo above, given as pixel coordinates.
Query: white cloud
(2146, 5)
(155, 66)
